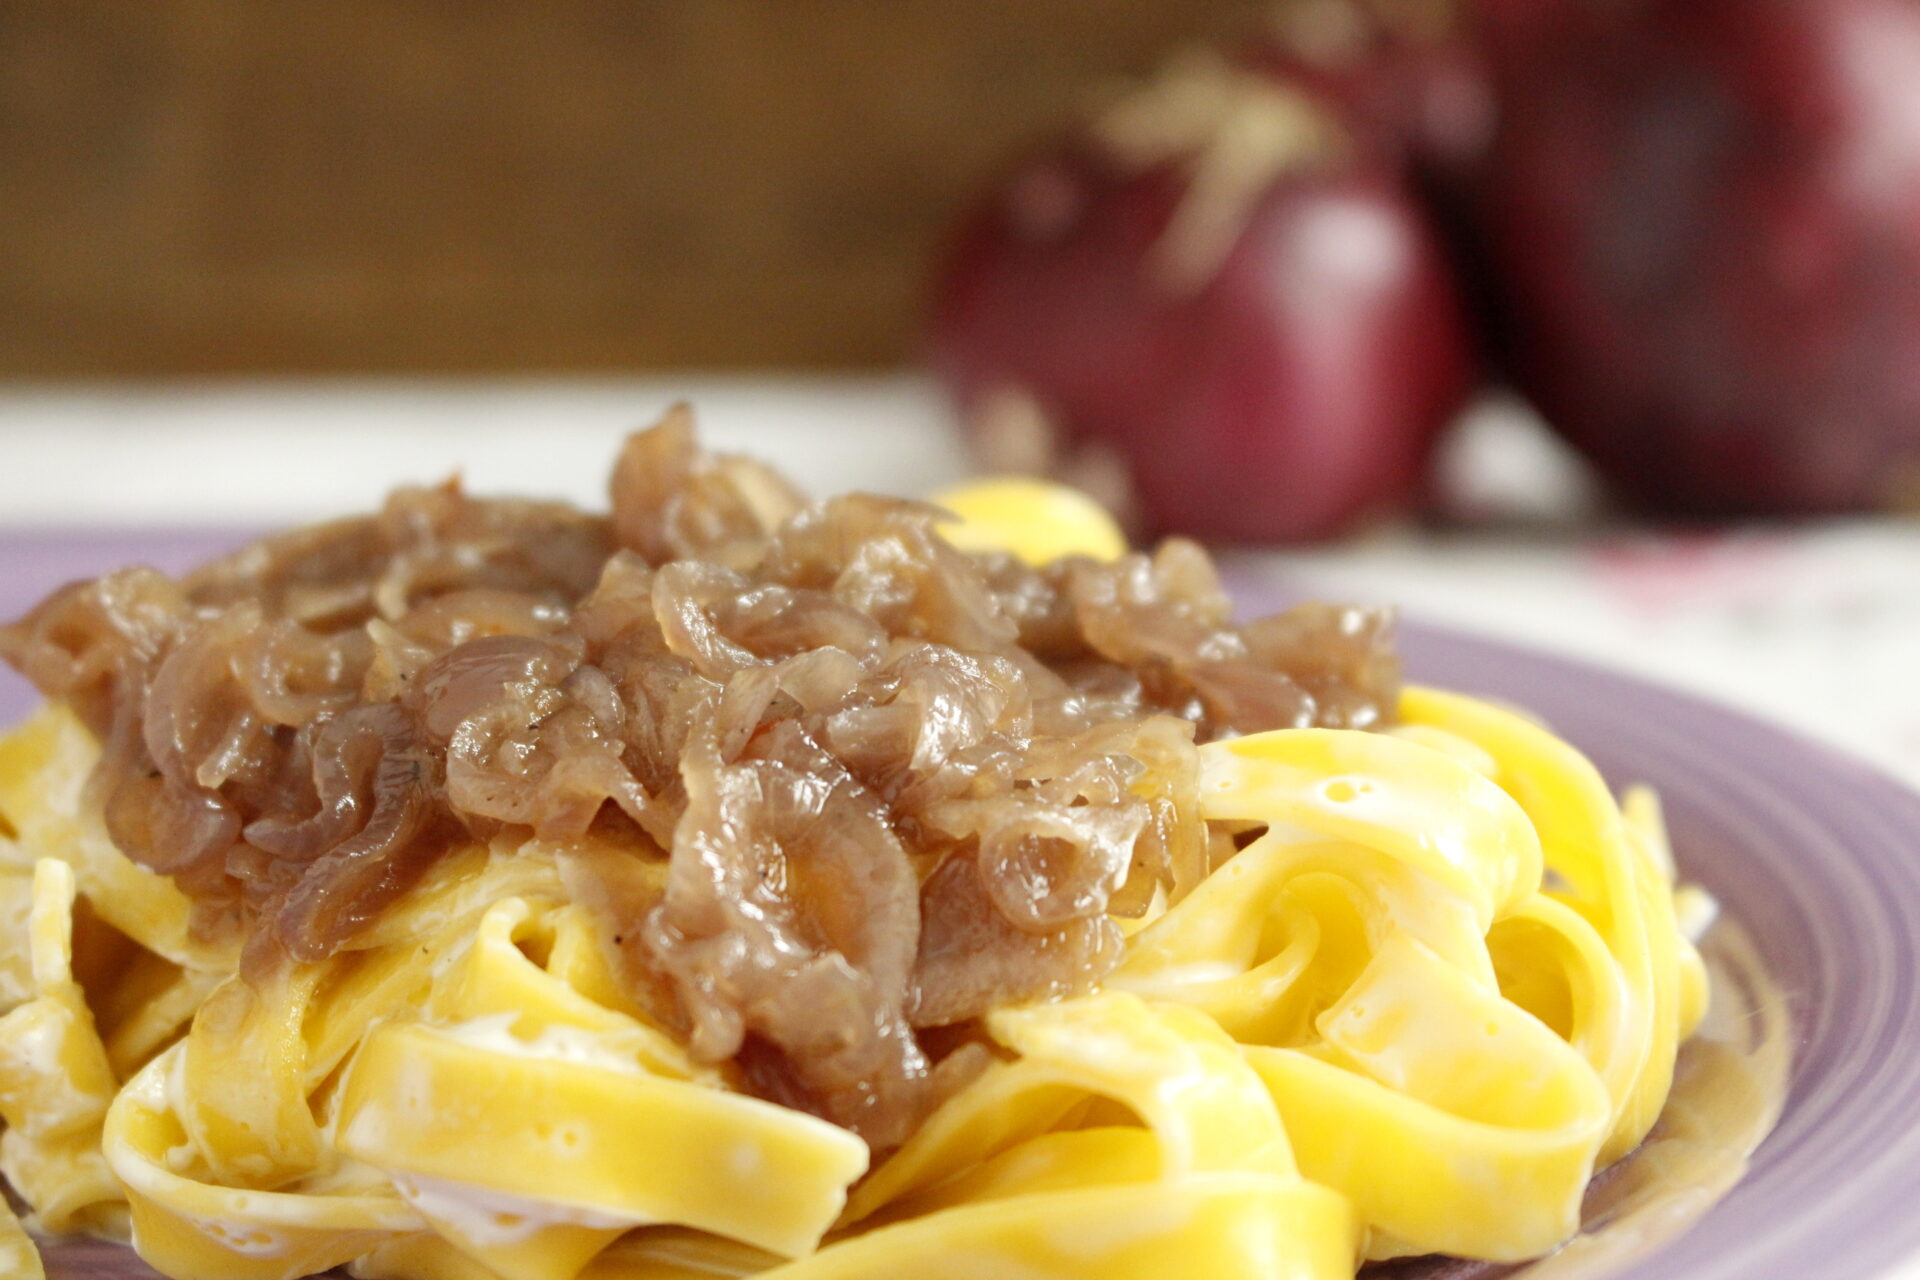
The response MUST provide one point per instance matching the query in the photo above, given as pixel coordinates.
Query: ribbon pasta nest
(831, 892)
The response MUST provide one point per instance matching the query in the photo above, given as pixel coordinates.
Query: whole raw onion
(1704, 217)
(1221, 298)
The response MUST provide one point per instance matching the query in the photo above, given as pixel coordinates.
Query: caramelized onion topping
(832, 788)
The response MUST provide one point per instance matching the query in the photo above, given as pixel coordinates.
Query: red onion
(1220, 295)
(1705, 217)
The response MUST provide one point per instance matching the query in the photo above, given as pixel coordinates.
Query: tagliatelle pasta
(1310, 1057)
(1428, 979)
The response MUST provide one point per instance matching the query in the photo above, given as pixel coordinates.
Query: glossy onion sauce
(834, 787)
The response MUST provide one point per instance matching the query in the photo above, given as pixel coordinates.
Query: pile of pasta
(1441, 987)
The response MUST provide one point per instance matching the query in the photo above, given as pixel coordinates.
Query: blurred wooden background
(195, 186)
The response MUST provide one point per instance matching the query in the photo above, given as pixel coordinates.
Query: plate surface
(1815, 854)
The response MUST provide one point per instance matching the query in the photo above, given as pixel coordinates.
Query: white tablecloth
(1818, 627)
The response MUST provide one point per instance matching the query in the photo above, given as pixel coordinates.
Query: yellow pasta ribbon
(493, 978)
(1278, 932)
(1614, 882)
(44, 765)
(1418, 805)
(989, 1186)
(593, 1138)
(55, 1081)
(190, 1227)
(18, 1257)
(1036, 520)
(1455, 1121)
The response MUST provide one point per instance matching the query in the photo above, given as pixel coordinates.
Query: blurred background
(211, 187)
(1592, 323)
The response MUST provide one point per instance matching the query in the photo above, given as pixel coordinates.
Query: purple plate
(1816, 854)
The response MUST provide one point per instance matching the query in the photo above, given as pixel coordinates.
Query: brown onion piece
(673, 500)
(931, 724)
(92, 644)
(684, 593)
(200, 724)
(293, 675)
(401, 834)
(972, 959)
(169, 826)
(1046, 865)
(1342, 656)
(791, 913)
(531, 738)
(884, 557)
